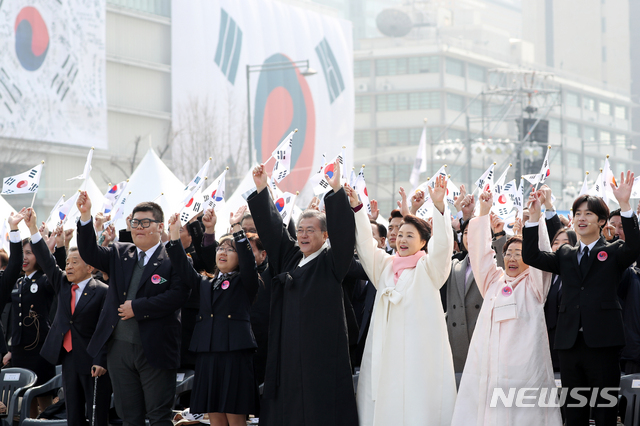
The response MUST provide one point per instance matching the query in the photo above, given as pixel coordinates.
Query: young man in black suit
(140, 322)
(589, 330)
(80, 301)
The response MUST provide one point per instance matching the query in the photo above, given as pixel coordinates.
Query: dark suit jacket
(224, 322)
(8, 279)
(82, 322)
(156, 306)
(589, 301)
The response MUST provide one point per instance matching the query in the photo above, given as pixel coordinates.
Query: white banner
(213, 41)
(52, 82)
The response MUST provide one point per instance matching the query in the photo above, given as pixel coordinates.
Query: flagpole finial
(510, 164)
(448, 176)
(607, 155)
(109, 184)
(210, 158)
(494, 163)
(127, 180)
(587, 172)
(92, 148)
(162, 193)
(363, 166)
(426, 119)
(295, 131)
(344, 147)
(600, 170)
(445, 165)
(548, 146)
(42, 162)
(297, 192)
(227, 168)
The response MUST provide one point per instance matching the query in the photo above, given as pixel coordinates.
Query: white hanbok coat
(512, 353)
(407, 376)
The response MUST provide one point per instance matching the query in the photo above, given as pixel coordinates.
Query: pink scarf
(405, 262)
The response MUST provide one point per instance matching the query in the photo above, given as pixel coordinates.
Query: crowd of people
(432, 317)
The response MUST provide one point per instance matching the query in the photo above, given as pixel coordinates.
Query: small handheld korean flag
(453, 192)
(441, 172)
(361, 189)
(545, 170)
(118, 211)
(112, 195)
(53, 215)
(196, 183)
(214, 194)
(597, 190)
(323, 186)
(608, 179)
(635, 190)
(485, 182)
(420, 163)
(284, 204)
(282, 154)
(87, 167)
(63, 212)
(24, 183)
(585, 185)
(499, 184)
(193, 206)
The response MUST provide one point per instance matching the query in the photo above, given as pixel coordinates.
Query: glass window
(573, 160)
(385, 173)
(430, 100)
(403, 171)
(455, 67)
(573, 130)
(605, 108)
(589, 133)
(455, 102)
(620, 168)
(414, 136)
(590, 164)
(572, 99)
(423, 64)
(362, 138)
(621, 140)
(554, 125)
(605, 137)
(382, 66)
(476, 72)
(361, 69)
(589, 103)
(475, 108)
(621, 112)
(454, 134)
(363, 103)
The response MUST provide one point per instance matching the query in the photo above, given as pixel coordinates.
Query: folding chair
(13, 384)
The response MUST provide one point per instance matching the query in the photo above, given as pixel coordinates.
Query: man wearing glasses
(140, 321)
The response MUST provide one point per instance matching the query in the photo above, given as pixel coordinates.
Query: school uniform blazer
(589, 301)
(224, 321)
(82, 322)
(156, 305)
(8, 279)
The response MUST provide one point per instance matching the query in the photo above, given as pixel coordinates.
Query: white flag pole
(271, 156)
(36, 191)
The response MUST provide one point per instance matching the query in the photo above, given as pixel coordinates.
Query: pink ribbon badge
(225, 285)
(602, 256)
(507, 291)
(156, 279)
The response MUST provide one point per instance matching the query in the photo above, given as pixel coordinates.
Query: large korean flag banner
(52, 71)
(213, 42)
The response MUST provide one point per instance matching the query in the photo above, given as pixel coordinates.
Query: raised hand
(44, 230)
(334, 180)
(486, 202)
(260, 177)
(109, 235)
(99, 221)
(457, 201)
(174, 227)
(417, 200)
(84, 206)
(209, 220)
(534, 207)
(14, 219)
(468, 205)
(544, 195)
(609, 231)
(623, 191)
(68, 235)
(403, 205)
(236, 218)
(314, 203)
(497, 224)
(438, 192)
(354, 201)
(58, 238)
(31, 221)
(375, 211)
(517, 227)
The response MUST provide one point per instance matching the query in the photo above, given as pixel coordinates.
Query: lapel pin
(155, 264)
(602, 256)
(225, 285)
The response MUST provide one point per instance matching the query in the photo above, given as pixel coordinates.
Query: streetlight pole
(275, 66)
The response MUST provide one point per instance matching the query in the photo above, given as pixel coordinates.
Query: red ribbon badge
(225, 285)
(602, 256)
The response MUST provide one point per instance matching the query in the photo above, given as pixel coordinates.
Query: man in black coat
(80, 301)
(308, 378)
(589, 331)
(141, 315)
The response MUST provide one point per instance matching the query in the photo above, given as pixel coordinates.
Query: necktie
(67, 337)
(584, 261)
(141, 260)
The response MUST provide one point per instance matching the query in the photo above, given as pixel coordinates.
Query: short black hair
(594, 204)
(512, 240)
(616, 212)
(24, 243)
(571, 235)
(149, 206)
(421, 225)
(464, 226)
(382, 230)
(246, 215)
(4, 258)
(394, 214)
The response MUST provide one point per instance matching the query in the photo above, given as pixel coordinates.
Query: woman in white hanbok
(509, 350)
(406, 376)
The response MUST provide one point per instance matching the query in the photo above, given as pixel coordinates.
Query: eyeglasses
(225, 249)
(512, 255)
(309, 231)
(145, 223)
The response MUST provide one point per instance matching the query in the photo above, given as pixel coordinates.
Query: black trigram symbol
(517, 201)
(33, 187)
(196, 207)
(324, 184)
(184, 217)
(502, 211)
(9, 181)
(281, 155)
(206, 197)
(196, 180)
(284, 214)
(33, 173)
(282, 175)
(9, 191)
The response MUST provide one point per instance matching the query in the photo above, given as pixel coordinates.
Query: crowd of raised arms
(335, 319)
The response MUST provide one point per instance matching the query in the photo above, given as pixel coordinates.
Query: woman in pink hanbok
(509, 350)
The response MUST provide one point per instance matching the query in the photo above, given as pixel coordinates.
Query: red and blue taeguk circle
(280, 204)
(32, 38)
